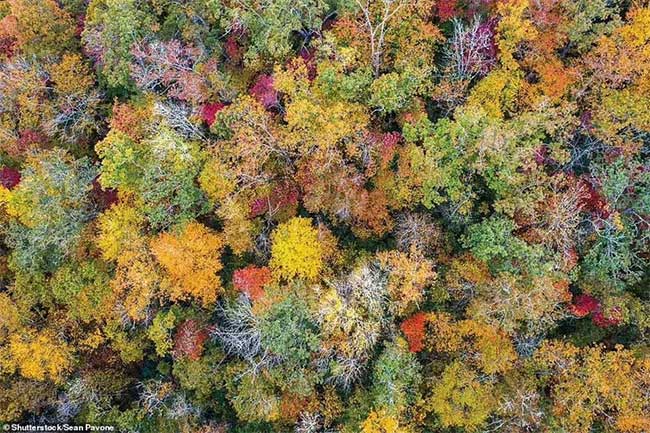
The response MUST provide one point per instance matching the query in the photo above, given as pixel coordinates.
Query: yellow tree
(37, 355)
(408, 276)
(136, 280)
(10, 317)
(460, 399)
(381, 422)
(191, 259)
(119, 227)
(474, 355)
(591, 385)
(296, 250)
(389, 23)
(491, 350)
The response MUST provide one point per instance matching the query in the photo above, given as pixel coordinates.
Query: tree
(41, 28)
(491, 349)
(49, 209)
(413, 329)
(77, 102)
(352, 316)
(26, 108)
(288, 331)
(264, 92)
(160, 331)
(119, 227)
(189, 340)
(191, 260)
(408, 276)
(274, 28)
(251, 281)
(529, 305)
(296, 250)
(592, 385)
(24, 396)
(393, 92)
(396, 378)
(84, 288)
(380, 422)
(472, 50)
(417, 231)
(158, 170)
(254, 399)
(38, 355)
(169, 67)
(9, 177)
(136, 282)
(460, 400)
(111, 27)
(493, 241)
(377, 16)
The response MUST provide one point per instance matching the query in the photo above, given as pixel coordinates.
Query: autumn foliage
(191, 260)
(414, 330)
(251, 281)
(340, 216)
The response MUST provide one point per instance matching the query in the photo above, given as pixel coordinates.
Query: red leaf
(594, 201)
(7, 46)
(446, 9)
(310, 61)
(612, 319)
(232, 48)
(584, 305)
(104, 197)
(281, 197)
(28, 138)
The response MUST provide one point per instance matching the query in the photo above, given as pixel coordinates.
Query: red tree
(414, 331)
(583, 305)
(264, 91)
(251, 280)
(9, 177)
(209, 112)
(189, 340)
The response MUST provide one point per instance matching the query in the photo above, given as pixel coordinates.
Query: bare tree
(377, 15)
(347, 370)
(561, 213)
(471, 52)
(177, 115)
(309, 422)
(154, 395)
(180, 408)
(416, 230)
(238, 329)
(356, 308)
(521, 412)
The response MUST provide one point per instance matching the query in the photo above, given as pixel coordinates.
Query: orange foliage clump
(414, 329)
(191, 260)
(251, 280)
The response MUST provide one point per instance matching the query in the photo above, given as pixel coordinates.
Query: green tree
(49, 210)
(112, 26)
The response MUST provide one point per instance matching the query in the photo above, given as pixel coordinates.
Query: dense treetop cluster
(326, 216)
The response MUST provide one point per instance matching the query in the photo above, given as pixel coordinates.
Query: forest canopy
(325, 216)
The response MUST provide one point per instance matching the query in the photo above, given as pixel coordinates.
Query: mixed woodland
(326, 216)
